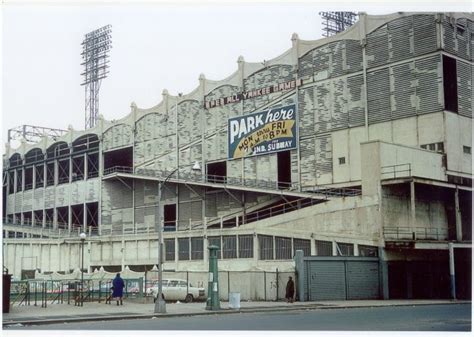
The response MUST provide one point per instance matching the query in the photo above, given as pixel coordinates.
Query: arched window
(85, 143)
(58, 149)
(15, 160)
(33, 156)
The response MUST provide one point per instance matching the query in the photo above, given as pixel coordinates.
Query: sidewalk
(93, 311)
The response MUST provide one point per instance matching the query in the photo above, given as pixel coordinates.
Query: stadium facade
(359, 144)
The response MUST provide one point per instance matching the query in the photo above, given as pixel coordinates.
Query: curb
(224, 311)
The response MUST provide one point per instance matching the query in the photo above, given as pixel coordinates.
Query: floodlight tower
(95, 48)
(337, 22)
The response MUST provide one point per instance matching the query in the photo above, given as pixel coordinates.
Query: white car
(177, 290)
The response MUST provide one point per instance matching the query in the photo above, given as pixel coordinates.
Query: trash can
(7, 280)
(234, 300)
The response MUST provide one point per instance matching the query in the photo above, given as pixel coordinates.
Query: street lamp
(83, 238)
(160, 304)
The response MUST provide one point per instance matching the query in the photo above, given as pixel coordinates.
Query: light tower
(337, 21)
(95, 48)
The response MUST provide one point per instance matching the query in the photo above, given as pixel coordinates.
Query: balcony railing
(395, 171)
(415, 233)
(237, 181)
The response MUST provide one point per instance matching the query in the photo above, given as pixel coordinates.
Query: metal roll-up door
(326, 280)
(362, 280)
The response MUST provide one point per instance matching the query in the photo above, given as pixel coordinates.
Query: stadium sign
(262, 132)
(253, 93)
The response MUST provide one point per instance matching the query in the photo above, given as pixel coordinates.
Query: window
(173, 283)
(197, 248)
(283, 248)
(450, 84)
(19, 180)
(28, 178)
(466, 149)
(436, 147)
(323, 248)
(432, 147)
(50, 174)
(169, 249)
(368, 251)
(183, 249)
(345, 249)
(342, 160)
(245, 246)
(39, 175)
(229, 247)
(266, 247)
(11, 182)
(301, 244)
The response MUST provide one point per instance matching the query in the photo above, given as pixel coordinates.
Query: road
(454, 317)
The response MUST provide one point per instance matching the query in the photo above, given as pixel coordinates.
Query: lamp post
(160, 304)
(83, 238)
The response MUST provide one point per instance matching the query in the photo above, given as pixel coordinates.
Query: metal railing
(415, 233)
(237, 181)
(395, 171)
(62, 230)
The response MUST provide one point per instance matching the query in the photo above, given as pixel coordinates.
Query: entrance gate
(339, 278)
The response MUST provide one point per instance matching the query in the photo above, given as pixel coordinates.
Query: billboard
(262, 132)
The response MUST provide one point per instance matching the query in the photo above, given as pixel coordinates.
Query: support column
(458, 216)
(452, 275)
(412, 209)
(383, 267)
(313, 247)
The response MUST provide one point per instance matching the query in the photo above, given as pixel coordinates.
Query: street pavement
(138, 309)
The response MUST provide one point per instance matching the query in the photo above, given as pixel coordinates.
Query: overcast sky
(156, 46)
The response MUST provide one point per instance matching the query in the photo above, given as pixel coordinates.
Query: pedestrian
(290, 290)
(117, 286)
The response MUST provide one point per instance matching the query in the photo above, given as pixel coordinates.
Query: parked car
(177, 290)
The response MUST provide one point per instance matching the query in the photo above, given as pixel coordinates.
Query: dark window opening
(63, 171)
(57, 150)
(38, 218)
(49, 217)
(10, 219)
(27, 218)
(62, 217)
(4, 203)
(11, 182)
(77, 216)
(169, 217)
(284, 169)
(50, 174)
(245, 246)
(122, 158)
(183, 249)
(450, 84)
(92, 165)
(466, 149)
(92, 214)
(28, 178)
(215, 241)
(345, 249)
(39, 175)
(15, 160)
(323, 248)
(17, 219)
(229, 247)
(301, 244)
(169, 249)
(19, 180)
(342, 160)
(85, 143)
(217, 172)
(283, 249)
(77, 168)
(34, 156)
(266, 247)
(197, 248)
(371, 251)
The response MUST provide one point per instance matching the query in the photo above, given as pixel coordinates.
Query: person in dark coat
(118, 286)
(290, 290)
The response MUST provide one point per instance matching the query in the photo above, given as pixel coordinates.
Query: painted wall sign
(262, 132)
(253, 93)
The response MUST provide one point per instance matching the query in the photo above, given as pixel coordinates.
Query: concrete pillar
(313, 247)
(412, 208)
(255, 249)
(452, 275)
(300, 275)
(458, 216)
(383, 270)
(334, 248)
(356, 249)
